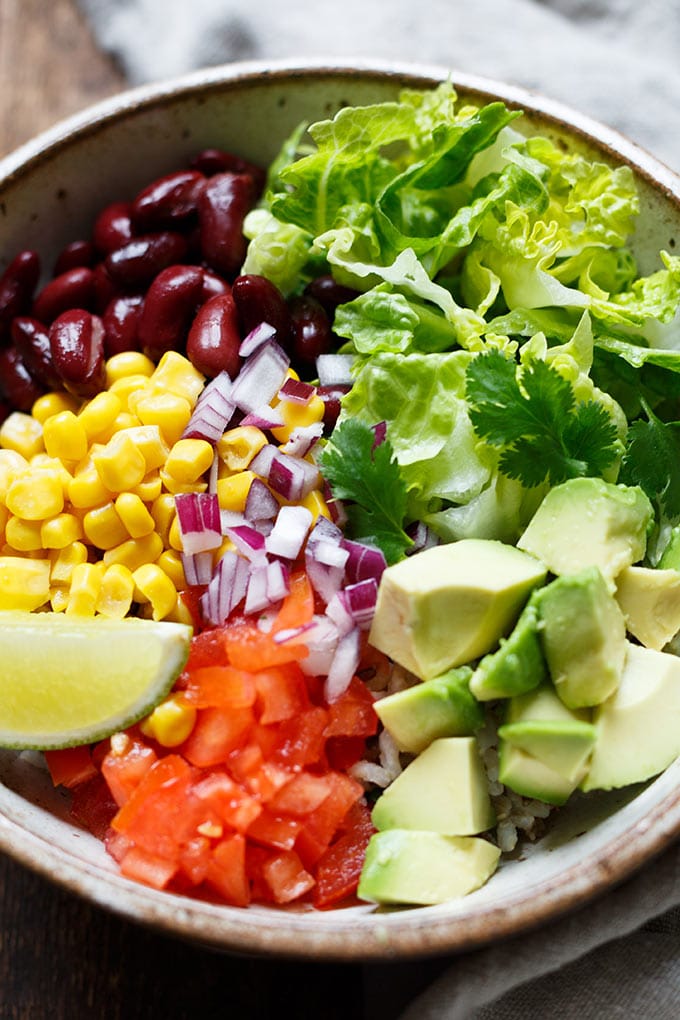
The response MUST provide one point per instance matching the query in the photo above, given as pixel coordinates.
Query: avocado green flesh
(424, 868)
(650, 602)
(563, 746)
(529, 777)
(441, 707)
(517, 666)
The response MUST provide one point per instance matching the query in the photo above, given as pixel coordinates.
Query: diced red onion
(198, 516)
(261, 504)
(198, 567)
(256, 594)
(278, 581)
(213, 411)
(232, 519)
(257, 336)
(248, 541)
(325, 531)
(359, 600)
(334, 369)
(289, 532)
(423, 537)
(321, 640)
(380, 433)
(292, 477)
(214, 474)
(344, 665)
(226, 589)
(262, 461)
(261, 377)
(265, 417)
(338, 611)
(302, 439)
(297, 391)
(365, 561)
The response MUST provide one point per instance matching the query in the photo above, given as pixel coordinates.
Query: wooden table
(62, 958)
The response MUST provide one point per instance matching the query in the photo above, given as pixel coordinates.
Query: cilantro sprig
(365, 475)
(532, 415)
(652, 461)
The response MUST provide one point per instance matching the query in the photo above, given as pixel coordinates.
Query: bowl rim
(421, 933)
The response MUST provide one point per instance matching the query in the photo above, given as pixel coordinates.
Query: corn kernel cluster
(88, 522)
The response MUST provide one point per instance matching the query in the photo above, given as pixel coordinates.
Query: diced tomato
(252, 649)
(124, 770)
(158, 816)
(191, 597)
(299, 741)
(343, 752)
(297, 608)
(228, 800)
(321, 826)
(226, 871)
(93, 806)
(286, 877)
(194, 858)
(117, 844)
(70, 766)
(353, 714)
(147, 868)
(282, 693)
(217, 731)
(207, 649)
(339, 869)
(220, 687)
(274, 830)
(302, 795)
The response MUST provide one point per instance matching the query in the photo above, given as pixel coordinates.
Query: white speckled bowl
(50, 190)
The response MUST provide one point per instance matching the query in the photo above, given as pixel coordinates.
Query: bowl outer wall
(50, 191)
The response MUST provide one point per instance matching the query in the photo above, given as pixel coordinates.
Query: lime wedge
(66, 680)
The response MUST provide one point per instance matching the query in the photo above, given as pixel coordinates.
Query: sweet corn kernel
(296, 416)
(150, 443)
(11, 465)
(149, 488)
(154, 586)
(232, 491)
(120, 463)
(21, 433)
(36, 494)
(163, 511)
(53, 403)
(238, 446)
(59, 599)
(125, 420)
(116, 592)
(4, 517)
(98, 415)
(189, 459)
(170, 563)
(42, 460)
(175, 536)
(316, 504)
(86, 489)
(128, 389)
(86, 583)
(24, 583)
(175, 487)
(135, 552)
(65, 437)
(103, 527)
(65, 560)
(23, 536)
(61, 531)
(175, 374)
(181, 613)
(127, 363)
(170, 412)
(134, 515)
(170, 723)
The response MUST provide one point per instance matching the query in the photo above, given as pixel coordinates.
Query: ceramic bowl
(50, 190)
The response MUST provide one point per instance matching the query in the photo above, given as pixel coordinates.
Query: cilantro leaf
(652, 461)
(366, 477)
(533, 416)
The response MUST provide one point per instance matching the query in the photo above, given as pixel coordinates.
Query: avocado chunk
(583, 634)
(517, 666)
(638, 727)
(588, 522)
(423, 868)
(670, 557)
(444, 790)
(449, 604)
(650, 602)
(441, 707)
(544, 746)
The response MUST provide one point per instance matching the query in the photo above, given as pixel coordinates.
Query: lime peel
(69, 680)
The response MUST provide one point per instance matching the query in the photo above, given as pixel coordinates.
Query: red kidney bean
(141, 259)
(214, 338)
(17, 285)
(329, 293)
(169, 308)
(77, 344)
(222, 206)
(74, 255)
(73, 289)
(213, 285)
(259, 300)
(32, 341)
(5, 410)
(331, 396)
(113, 227)
(168, 201)
(311, 330)
(121, 321)
(105, 290)
(17, 384)
(217, 161)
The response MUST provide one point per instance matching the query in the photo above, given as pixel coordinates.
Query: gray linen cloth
(616, 60)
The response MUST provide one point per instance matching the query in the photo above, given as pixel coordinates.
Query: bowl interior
(50, 192)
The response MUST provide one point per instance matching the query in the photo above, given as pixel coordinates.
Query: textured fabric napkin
(615, 60)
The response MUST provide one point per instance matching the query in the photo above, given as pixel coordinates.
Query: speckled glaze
(50, 190)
